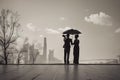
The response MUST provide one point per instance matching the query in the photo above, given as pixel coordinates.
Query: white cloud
(64, 29)
(56, 31)
(31, 27)
(41, 36)
(62, 18)
(100, 19)
(52, 31)
(117, 30)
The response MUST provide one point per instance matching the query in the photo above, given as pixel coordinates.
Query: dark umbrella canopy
(72, 31)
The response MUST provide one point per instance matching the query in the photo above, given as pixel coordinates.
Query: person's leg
(65, 56)
(77, 57)
(77, 61)
(74, 57)
(74, 54)
(68, 53)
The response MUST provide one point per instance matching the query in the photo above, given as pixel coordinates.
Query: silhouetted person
(67, 45)
(76, 50)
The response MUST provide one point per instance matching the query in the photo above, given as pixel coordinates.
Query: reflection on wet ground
(59, 72)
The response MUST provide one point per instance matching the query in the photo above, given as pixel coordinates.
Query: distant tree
(34, 56)
(35, 50)
(19, 57)
(33, 53)
(8, 31)
(21, 51)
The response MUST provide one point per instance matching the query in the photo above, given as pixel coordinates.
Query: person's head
(76, 36)
(68, 35)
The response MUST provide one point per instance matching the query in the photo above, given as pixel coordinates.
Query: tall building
(42, 58)
(26, 51)
(45, 50)
(52, 58)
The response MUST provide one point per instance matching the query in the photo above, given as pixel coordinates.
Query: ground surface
(60, 72)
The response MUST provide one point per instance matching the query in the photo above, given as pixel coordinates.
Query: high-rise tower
(45, 50)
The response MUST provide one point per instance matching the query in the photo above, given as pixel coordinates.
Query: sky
(98, 20)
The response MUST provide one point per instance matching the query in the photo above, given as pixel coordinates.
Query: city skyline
(98, 20)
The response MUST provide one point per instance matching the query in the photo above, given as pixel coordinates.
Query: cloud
(41, 36)
(56, 31)
(31, 27)
(117, 30)
(52, 31)
(62, 18)
(64, 29)
(99, 19)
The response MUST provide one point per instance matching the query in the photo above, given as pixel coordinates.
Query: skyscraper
(45, 50)
(52, 58)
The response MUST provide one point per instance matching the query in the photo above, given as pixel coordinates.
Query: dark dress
(76, 51)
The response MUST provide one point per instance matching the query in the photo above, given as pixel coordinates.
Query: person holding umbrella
(66, 46)
(76, 44)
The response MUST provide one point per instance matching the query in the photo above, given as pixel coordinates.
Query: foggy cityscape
(59, 40)
(39, 19)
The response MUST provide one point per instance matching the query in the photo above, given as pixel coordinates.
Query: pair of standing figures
(67, 45)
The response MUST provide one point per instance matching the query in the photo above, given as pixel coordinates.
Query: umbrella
(72, 31)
